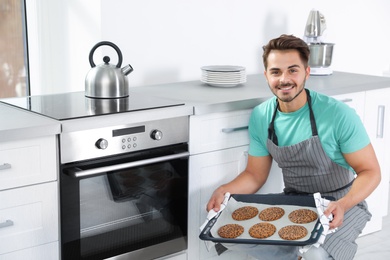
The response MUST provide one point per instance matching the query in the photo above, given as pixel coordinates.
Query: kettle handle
(118, 51)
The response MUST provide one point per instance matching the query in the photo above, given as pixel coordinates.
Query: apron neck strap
(271, 129)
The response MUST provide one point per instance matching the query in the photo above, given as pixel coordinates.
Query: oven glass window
(133, 208)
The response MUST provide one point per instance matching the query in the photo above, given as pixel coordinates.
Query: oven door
(133, 204)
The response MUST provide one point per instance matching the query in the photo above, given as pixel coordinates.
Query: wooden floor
(375, 246)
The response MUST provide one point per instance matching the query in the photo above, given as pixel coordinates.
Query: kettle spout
(127, 69)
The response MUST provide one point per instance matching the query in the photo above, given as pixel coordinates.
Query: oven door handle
(78, 173)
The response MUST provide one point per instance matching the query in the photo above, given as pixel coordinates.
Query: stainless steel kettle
(107, 80)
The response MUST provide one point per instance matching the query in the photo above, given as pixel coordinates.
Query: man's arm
(367, 168)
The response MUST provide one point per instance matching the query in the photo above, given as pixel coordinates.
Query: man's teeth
(286, 88)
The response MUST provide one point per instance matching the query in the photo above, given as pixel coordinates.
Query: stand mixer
(320, 52)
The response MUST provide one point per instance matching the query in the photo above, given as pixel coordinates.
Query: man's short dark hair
(287, 42)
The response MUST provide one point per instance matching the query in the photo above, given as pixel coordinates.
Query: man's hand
(338, 212)
(215, 200)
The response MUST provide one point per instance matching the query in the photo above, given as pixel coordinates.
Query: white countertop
(199, 99)
(206, 99)
(17, 124)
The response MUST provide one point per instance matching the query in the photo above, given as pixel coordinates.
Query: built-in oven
(124, 190)
(123, 174)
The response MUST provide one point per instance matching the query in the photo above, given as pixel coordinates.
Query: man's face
(286, 74)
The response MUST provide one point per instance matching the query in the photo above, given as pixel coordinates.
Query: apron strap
(292, 191)
(271, 128)
(312, 119)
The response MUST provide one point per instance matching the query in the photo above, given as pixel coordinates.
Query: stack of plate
(223, 75)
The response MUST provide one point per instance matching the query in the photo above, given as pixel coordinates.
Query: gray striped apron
(307, 169)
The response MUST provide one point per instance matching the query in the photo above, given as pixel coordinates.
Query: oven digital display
(128, 131)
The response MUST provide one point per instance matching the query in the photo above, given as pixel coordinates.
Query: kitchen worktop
(206, 99)
(199, 98)
(17, 124)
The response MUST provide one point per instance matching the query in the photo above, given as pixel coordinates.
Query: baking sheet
(287, 202)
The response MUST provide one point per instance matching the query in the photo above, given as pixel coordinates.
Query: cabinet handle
(234, 129)
(380, 121)
(5, 166)
(6, 223)
(346, 100)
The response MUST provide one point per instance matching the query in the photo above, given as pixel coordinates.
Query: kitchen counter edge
(207, 99)
(18, 124)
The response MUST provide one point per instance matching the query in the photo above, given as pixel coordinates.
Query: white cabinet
(207, 172)
(218, 131)
(27, 161)
(377, 122)
(218, 148)
(29, 225)
(46, 251)
(373, 107)
(28, 217)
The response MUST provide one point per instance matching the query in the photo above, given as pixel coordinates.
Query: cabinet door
(46, 251)
(377, 122)
(207, 172)
(28, 217)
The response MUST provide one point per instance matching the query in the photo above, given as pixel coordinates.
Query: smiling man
(319, 143)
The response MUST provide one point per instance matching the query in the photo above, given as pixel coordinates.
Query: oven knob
(101, 143)
(156, 135)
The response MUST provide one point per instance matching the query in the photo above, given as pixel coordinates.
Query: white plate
(223, 72)
(224, 75)
(224, 81)
(223, 78)
(223, 85)
(223, 68)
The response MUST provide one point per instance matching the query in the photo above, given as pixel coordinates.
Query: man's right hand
(216, 200)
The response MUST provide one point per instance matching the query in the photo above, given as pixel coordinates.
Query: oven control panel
(95, 143)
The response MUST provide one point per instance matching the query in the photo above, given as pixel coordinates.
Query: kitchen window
(14, 69)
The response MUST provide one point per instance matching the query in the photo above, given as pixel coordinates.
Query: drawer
(219, 131)
(28, 217)
(27, 162)
(47, 251)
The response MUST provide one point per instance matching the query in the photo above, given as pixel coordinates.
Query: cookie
(271, 214)
(245, 213)
(230, 231)
(302, 216)
(292, 232)
(262, 230)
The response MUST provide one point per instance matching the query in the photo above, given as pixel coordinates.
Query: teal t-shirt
(340, 129)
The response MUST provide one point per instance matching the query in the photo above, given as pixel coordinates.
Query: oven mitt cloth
(321, 205)
(212, 214)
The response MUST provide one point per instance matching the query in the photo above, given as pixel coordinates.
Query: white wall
(170, 40)
(167, 41)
